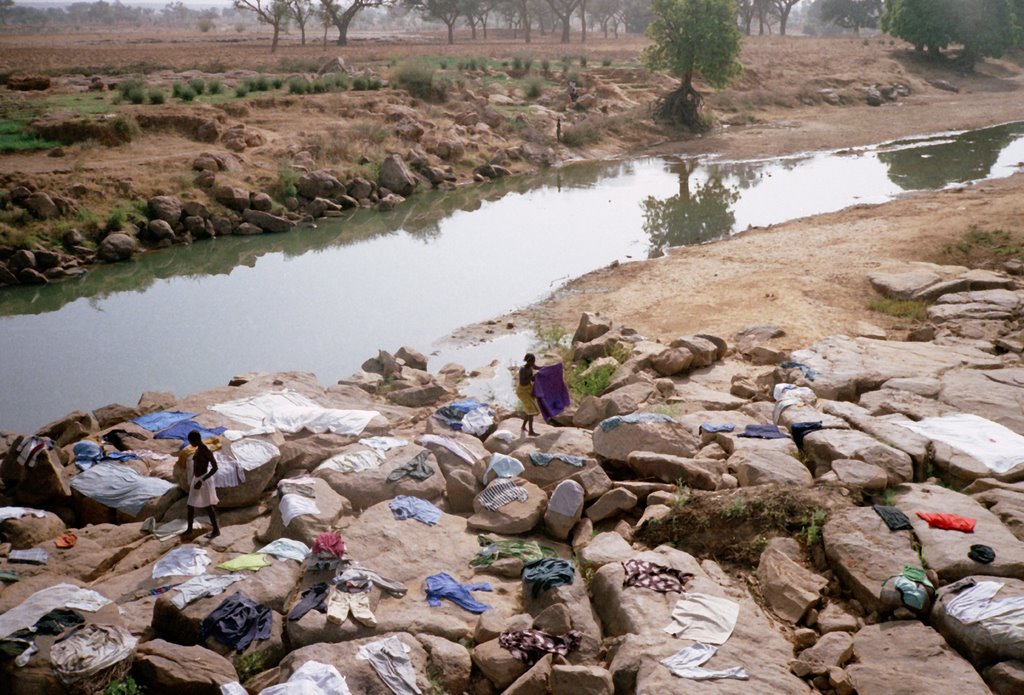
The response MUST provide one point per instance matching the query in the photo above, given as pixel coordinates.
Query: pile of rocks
(817, 614)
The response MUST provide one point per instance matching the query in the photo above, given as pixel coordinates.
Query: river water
(324, 299)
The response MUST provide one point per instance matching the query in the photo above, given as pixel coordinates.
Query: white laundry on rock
(26, 613)
(353, 461)
(996, 447)
(202, 586)
(293, 505)
(686, 663)
(185, 560)
(704, 618)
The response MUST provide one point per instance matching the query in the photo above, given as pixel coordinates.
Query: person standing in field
(202, 493)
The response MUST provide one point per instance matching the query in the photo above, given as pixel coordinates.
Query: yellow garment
(181, 465)
(525, 393)
(249, 561)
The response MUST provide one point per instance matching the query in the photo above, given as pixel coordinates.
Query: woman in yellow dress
(524, 390)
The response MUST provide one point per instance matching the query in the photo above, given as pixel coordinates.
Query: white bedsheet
(998, 448)
(290, 411)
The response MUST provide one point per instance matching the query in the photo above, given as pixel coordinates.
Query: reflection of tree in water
(967, 157)
(694, 215)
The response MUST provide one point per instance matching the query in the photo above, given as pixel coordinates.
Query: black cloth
(313, 597)
(893, 518)
(417, 468)
(799, 430)
(237, 621)
(546, 573)
(53, 623)
(116, 438)
(982, 553)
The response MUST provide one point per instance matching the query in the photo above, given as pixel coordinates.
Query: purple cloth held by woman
(550, 391)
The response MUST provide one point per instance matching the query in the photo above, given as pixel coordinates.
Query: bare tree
(272, 12)
(447, 11)
(563, 9)
(783, 8)
(302, 11)
(340, 13)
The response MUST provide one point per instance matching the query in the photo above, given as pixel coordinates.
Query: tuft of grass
(586, 132)
(284, 187)
(811, 533)
(157, 96)
(242, 90)
(534, 88)
(299, 85)
(417, 77)
(606, 62)
(197, 85)
(979, 247)
(914, 309)
(214, 87)
(14, 138)
(582, 383)
(125, 686)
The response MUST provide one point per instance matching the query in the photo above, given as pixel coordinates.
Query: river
(323, 299)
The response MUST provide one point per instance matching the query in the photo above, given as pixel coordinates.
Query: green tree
(982, 27)
(5, 9)
(700, 212)
(851, 14)
(340, 14)
(447, 11)
(691, 38)
(272, 12)
(301, 11)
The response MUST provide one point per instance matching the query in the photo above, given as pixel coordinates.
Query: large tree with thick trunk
(272, 12)
(340, 14)
(693, 38)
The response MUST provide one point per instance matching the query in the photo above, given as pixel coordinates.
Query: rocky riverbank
(745, 472)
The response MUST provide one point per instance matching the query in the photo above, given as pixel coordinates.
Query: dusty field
(807, 276)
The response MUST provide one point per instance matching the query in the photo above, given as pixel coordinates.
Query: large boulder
(827, 445)
(982, 642)
(117, 247)
(564, 509)
(396, 177)
(996, 394)
(368, 487)
(946, 551)
(789, 588)
(267, 222)
(616, 443)
(333, 508)
(591, 326)
(165, 667)
(166, 208)
(672, 469)
(890, 657)
(319, 184)
(30, 530)
(863, 552)
(769, 467)
(514, 517)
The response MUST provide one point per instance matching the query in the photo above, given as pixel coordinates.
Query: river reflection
(324, 299)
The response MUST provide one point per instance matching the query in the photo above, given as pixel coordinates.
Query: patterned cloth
(655, 577)
(501, 492)
(530, 645)
(493, 549)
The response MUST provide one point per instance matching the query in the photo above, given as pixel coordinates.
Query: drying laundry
(118, 486)
(633, 419)
(762, 432)
(286, 549)
(174, 527)
(502, 466)
(330, 543)
(567, 498)
(357, 578)
(304, 485)
(494, 549)
(203, 586)
(383, 444)
(185, 560)
(28, 611)
(88, 453)
(248, 561)
(116, 438)
(290, 411)
(501, 492)
(912, 595)
(799, 430)
(66, 540)
(450, 444)
(547, 573)
(982, 553)
(293, 505)
(808, 373)
(530, 646)
(353, 461)
(18, 512)
(389, 659)
(655, 577)
(341, 603)
(949, 522)
(237, 622)
(180, 430)
(996, 447)
(30, 448)
(443, 585)
(893, 518)
(154, 422)
(9, 576)
(712, 428)
(229, 471)
(788, 395)
(704, 618)
(313, 598)
(32, 556)
(540, 459)
(312, 678)
(467, 416)
(976, 602)
(92, 657)
(53, 623)
(550, 391)
(406, 507)
(416, 468)
(688, 661)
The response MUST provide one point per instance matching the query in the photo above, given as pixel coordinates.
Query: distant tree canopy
(982, 27)
(851, 14)
(691, 38)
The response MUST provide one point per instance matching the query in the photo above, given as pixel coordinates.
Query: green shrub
(299, 85)
(214, 87)
(534, 88)
(583, 61)
(261, 84)
(443, 64)
(606, 61)
(417, 78)
(517, 64)
(157, 96)
(284, 187)
(277, 82)
(176, 88)
(197, 85)
(125, 686)
(359, 83)
(585, 132)
(374, 84)
(242, 90)
(545, 65)
(582, 383)
(186, 94)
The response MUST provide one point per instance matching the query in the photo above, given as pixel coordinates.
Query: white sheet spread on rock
(352, 461)
(312, 678)
(26, 613)
(686, 663)
(293, 505)
(978, 603)
(998, 448)
(118, 486)
(290, 411)
(202, 586)
(18, 512)
(450, 444)
(89, 652)
(704, 618)
(183, 561)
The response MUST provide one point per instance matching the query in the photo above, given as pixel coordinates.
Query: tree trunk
(583, 21)
(273, 44)
(326, 27)
(565, 29)
(342, 24)
(682, 105)
(472, 30)
(526, 27)
(783, 20)
(483, 25)
(302, 32)
(451, 33)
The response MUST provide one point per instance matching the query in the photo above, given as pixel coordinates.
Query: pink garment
(329, 542)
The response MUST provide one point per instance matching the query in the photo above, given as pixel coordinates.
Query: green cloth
(9, 576)
(916, 574)
(494, 549)
(913, 595)
(249, 561)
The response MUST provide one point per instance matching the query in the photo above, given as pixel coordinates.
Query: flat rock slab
(864, 552)
(987, 641)
(657, 437)
(825, 446)
(366, 488)
(996, 394)
(908, 658)
(946, 551)
(769, 468)
(847, 366)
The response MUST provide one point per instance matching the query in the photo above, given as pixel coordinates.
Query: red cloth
(949, 522)
(329, 542)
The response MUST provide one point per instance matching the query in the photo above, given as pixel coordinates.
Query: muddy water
(324, 299)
